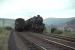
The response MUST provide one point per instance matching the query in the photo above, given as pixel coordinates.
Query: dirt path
(16, 43)
(11, 42)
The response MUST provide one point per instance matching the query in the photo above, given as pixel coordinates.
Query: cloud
(29, 8)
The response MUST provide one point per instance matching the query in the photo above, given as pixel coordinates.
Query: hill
(72, 22)
(7, 22)
(57, 21)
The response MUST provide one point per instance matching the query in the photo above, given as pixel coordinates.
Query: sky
(28, 8)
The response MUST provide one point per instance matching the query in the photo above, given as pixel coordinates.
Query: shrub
(0, 30)
(53, 30)
(58, 32)
(8, 28)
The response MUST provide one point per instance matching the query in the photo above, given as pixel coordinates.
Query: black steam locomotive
(19, 24)
(34, 24)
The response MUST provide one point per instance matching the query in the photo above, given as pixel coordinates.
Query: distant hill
(60, 23)
(57, 21)
(7, 22)
(72, 22)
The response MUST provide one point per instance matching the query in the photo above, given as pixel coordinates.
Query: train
(34, 24)
(19, 24)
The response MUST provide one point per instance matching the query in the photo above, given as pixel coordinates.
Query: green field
(4, 39)
(64, 33)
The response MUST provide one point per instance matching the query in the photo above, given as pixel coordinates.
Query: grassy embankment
(64, 33)
(3, 39)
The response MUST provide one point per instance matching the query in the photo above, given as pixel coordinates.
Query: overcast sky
(29, 8)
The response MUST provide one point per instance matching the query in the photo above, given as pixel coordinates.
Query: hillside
(7, 22)
(72, 22)
(57, 21)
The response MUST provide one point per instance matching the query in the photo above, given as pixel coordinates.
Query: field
(69, 34)
(64, 33)
(4, 39)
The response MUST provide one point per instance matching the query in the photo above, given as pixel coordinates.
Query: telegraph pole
(3, 24)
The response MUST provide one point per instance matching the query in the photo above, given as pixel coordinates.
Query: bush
(53, 30)
(58, 32)
(8, 28)
(67, 30)
(0, 30)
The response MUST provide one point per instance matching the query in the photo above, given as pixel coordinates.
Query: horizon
(43, 18)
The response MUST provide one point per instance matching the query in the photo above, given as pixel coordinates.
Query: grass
(65, 33)
(4, 40)
(69, 34)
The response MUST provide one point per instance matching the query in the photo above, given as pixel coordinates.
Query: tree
(53, 30)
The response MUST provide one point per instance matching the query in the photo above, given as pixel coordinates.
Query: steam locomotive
(34, 24)
(19, 24)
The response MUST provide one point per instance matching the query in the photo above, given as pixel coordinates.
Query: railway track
(34, 41)
(63, 43)
(29, 44)
(44, 43)
(72, 39)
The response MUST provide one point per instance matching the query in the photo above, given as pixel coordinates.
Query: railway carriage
(19, 24)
